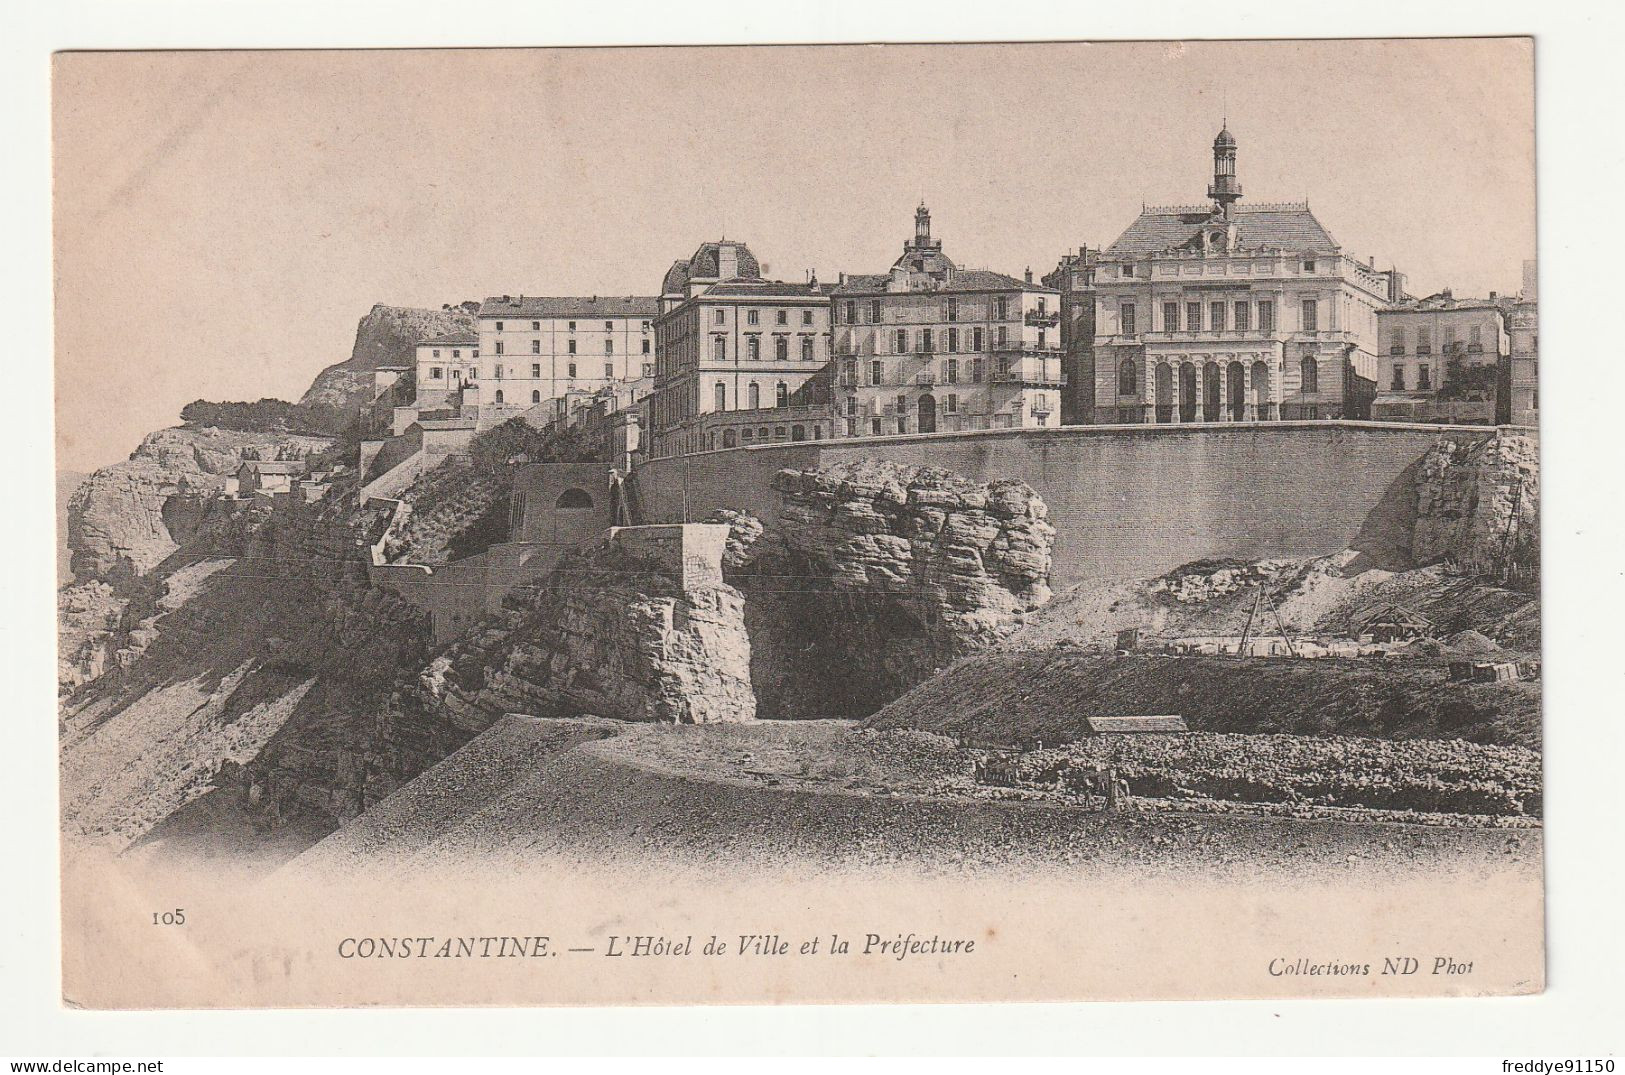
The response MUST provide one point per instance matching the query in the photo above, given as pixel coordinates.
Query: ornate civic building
(931, 347)
(728, 341)
(1229, 313)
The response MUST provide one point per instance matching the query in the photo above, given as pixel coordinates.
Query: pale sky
(224, 219)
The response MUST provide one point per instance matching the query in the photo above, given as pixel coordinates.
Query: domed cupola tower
(1225, 188)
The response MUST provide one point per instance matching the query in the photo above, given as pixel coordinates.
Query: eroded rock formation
(877, 575)
(126, 519)
(385, 337)
(1478, 505)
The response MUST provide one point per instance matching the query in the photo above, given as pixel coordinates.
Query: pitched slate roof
(585, 307)
(959, 280)
(765, 287)
(451, 339)
(1291, 227)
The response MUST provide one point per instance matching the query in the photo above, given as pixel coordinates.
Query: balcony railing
(1028, 379)
(1042, 317)
(1010, 347)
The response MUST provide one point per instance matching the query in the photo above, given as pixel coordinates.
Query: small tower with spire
(1225, 188)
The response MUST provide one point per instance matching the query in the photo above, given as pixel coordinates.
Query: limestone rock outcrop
(125, 519)
(876, 575)
(386, 336)
(1478, 505)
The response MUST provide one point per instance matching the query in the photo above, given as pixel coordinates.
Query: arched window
(498, 396)
(721, 392)
(798, 432)
(536, 396)
(748, 435)
(574, 498)
(1310, 375)
(761, 434)
(1127, 378)
(781, 395)
(728, 439)
(755, 395)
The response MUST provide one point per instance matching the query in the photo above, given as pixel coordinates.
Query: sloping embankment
(531, 791)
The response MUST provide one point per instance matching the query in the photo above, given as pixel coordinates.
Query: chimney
(1029, 274)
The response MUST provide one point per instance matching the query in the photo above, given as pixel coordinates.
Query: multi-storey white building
(1524, 327)
(930, 346)
(1231, 313)
(443, 366)
(1443, 360)
(531, 350)
(727, 340)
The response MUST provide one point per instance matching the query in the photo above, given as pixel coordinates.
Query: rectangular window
(1398, 382)
(876, 371)
(499, 326)
(950, 371)
(751, 317)
(436, 352)
(717, 317)
(1475, 339)
(806, 348)
(609, 347)
(1170, 317)
(851, 405)
(1128, 319)
(953, 309)
(435, 373)
(950, 403)
(536, 326)
(1193, 317)
(499, 347)
(572, 326)
(1215, 316)
(753, 347)
(1424, 378)
(978, 369)
(1266, 316)
(609, 371)
(645, 346)
(571, 345)
(609, 326)
(535, 369)
(571, 370)
(498, 373)
(902, 403)
(874, 311)
(1244, 318)
(1396, 342)
(976, 339)
(851, 312)
(1311, 316)
(953, 340)
(783, 317)
(535, 347)
(1449, 338)
(1424, 341)
(902, 341)
(1002, 308)
(925, 341)
(874, 426)
(1004, 334)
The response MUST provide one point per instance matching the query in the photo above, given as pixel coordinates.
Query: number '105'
(177, 917)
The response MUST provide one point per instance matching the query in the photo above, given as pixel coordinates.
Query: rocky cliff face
(385, 337)
(877, 575)
(1478, 506)
(124, 520)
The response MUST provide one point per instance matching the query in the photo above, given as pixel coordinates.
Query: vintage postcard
(798, 524)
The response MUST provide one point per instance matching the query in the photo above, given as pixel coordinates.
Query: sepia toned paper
(1073, 533)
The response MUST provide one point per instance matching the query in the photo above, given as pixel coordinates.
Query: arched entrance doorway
(1261, 392)
(928, 413)
(1235, 381)
(1165, 393)
(1187, 393)
(1212, 392)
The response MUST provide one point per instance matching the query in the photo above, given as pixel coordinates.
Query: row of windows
(795, 432)
(975, 368)
(1129, 272)
(1219, 316)
(753, 348)
(719, 316)
(536, 347)
(1424, 378)
(873, 310)
(456, 352)
(437, 373)
(536, 326)
(753, 396)
(1424, 340)
(1309, 317)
